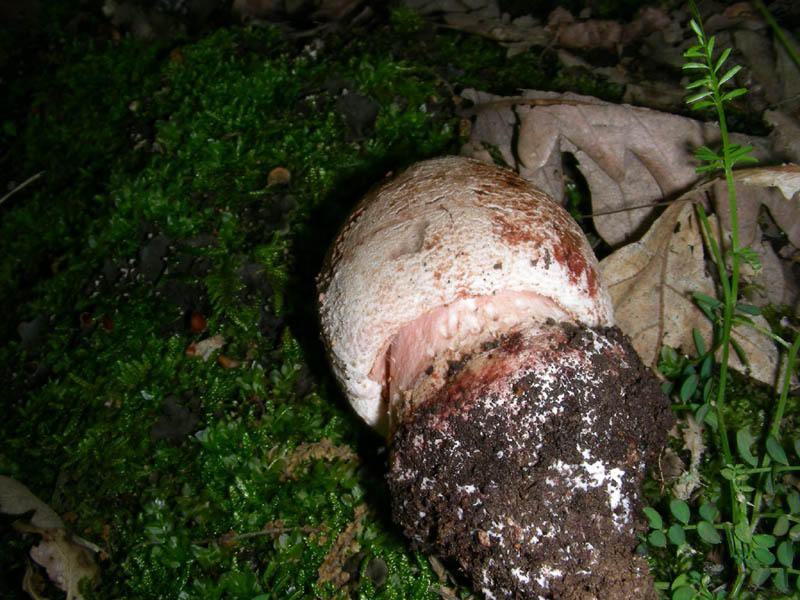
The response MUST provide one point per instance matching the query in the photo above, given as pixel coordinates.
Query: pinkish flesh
(462, 324)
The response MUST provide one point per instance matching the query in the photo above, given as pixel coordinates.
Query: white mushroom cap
(448, 238)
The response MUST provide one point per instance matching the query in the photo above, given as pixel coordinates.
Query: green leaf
(730, 74)
(708, 533)
(742, 320)
(680, 510)
(698, 297)
(705, 168)
(734, 94)
(748, 309)
(708, 511)
(701, 82)
(698, 31)
(796, 444)
(743, 155)
(657, 539)
(698, 96)
(702, 412)
(693, 65)
(680, 581)
(764, 556)
(794, 533)
(742, 531)
(781, 580)
(684, 593)
(764, 540)
(793, 499)
(740, 352)
(703, 104)
(781, 527)
(786, 553)
(688, 387)
(737, 149)
(707, 153)
(747, 159)
(699, 343)
(744, 439)
(776, 452)
(705, 373)
(653, 518)
(759, 576)
(722, 58)
(677, 535)
(694, 52)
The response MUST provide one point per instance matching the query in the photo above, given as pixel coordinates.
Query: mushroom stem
(523, 463)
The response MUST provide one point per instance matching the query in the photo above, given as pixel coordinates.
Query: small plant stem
(778, 33)
(730, 288)
(774, 430)
(787, 383)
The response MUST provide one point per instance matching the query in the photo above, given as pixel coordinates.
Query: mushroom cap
(448, 232)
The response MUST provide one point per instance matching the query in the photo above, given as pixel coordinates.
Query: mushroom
(464, 316)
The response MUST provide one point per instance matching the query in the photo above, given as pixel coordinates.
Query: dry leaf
(16, 499)
(690, 480)
(651, 284)
(783, 206)
(630, 156)
(493, 128)
(67, 564)
(205, 348)
(776, 282)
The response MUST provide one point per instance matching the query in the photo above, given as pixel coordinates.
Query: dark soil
(525, 468)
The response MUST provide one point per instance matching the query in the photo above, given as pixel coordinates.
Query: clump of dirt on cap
(535, 492)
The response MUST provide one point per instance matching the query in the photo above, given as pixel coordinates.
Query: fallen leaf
(593, 33)
(651, 282)
(16, 499)
(493, 128)
(630, 156)
(228, 362)
(785, 177)
(67, 564)
(775, 282)
(205, 348)
(690, 480)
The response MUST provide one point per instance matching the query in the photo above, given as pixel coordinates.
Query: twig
(22, 185)
(265, 531)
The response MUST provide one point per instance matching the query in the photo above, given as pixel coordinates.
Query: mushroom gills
(450, 330)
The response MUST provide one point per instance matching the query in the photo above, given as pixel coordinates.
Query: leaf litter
(67, 562)
(634, 160)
